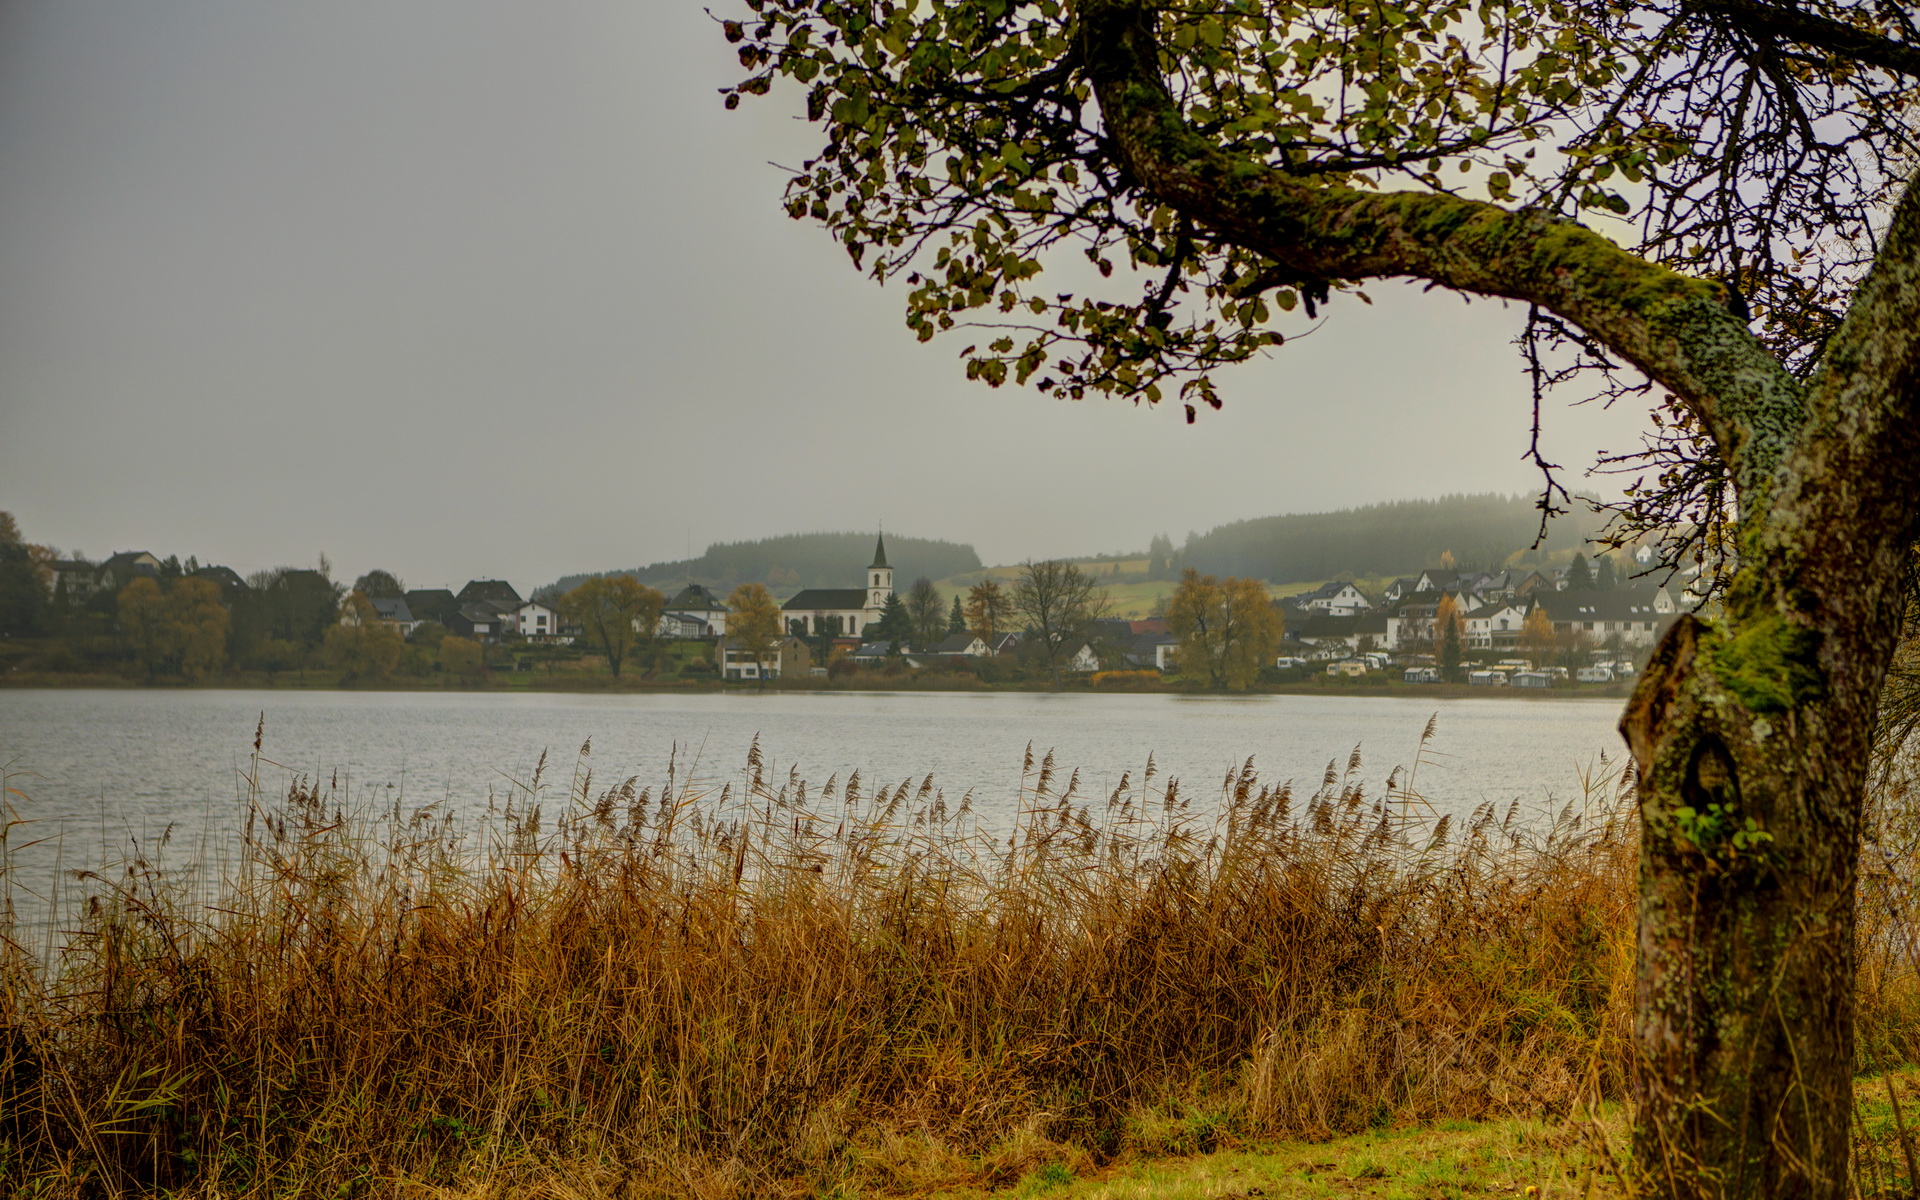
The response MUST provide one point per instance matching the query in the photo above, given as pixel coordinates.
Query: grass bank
(820, 990)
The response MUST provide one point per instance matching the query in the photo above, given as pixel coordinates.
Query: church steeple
(879, 579)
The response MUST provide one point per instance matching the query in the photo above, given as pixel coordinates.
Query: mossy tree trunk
(1751, 730)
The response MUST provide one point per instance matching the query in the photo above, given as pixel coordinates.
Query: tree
(988, 607)
(1242, 160)
(195, 625)
(895, 626)
(1160, 557)
(754, 624)
(143, 611)
(1450, 633)
(956, 617)
(1228, 629)
(1536, 636)
(1059, 602)
(23, 597)
(616, 612)
(925, 613)
(359, 643)
(1605, 579)
(380, 585)
(463, 657)
(1579, 575)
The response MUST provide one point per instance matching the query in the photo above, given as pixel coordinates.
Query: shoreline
(1615, 693)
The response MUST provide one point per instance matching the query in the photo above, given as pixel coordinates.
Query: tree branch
(1675, 329)
(1864, 411)
(1779, 21)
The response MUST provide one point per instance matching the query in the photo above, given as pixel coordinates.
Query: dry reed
(784, 989)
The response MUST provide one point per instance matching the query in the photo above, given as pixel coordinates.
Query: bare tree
(1059, 603)
(926, 612)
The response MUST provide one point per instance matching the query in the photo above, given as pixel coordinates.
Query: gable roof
(829, 599)
(225, 577)
(953, 643)
(488, 589)
(1620, 604)
(391, 608)
(695, 597)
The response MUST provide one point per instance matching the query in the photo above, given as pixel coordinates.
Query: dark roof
(696, 598)
(880, 552)
(1620, 604)
(479, 614)
(391, 608)
(827, 599)
(488, 589)
(225, 577)
(953, 643)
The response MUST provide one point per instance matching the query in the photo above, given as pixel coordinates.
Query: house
(1497, 626)
(1322, 631)
(842, 612)
(477, 621)
(1437, 580)
(790, 656)
(537, 620)
(1004, 645)
(1336, 599)
(432, 604)
(1637, 616)
(496, 591)
(73, 578)
(390, 611)
(957, 645)
(225, 578)
(683, 625)
(872, 654)
(123, 568)
(1083, 660)
(694, 611)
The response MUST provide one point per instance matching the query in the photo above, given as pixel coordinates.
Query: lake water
(91, 770)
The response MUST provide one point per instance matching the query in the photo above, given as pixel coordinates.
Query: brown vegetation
(784, 989)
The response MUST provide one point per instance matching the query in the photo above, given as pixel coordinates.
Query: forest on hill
(801, 560)
(1397, 538)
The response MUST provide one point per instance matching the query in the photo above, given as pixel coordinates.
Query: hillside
(793, 561)
(1382, 539)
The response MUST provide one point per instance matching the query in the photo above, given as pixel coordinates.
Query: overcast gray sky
(488, 288)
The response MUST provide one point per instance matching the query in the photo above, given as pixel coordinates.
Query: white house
(1636, 615)
(842, 612)
(970, 645)
(533, 619)
(1496, 626)
(1336, 599)
(693, 612)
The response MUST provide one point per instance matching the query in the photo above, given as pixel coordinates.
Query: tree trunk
(1751, 736)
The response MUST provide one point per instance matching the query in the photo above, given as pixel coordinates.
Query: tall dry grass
(784, 989)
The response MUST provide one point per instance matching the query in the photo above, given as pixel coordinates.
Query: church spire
(880, 552)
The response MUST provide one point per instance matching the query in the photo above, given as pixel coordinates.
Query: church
(842, 612)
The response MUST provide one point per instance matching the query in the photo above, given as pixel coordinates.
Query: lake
(92, 770)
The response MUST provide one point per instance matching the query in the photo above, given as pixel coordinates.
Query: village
(1558, 626)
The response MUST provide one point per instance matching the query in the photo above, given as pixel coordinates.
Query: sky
(482, 288)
